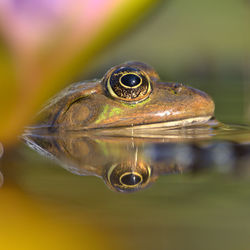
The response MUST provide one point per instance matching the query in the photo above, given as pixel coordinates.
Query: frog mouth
(195, 127)
(154, 126)
(172, 131)
(174, 124)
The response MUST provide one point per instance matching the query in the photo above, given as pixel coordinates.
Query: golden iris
(128, 84)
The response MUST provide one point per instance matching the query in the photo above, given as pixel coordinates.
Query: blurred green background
(204, 44)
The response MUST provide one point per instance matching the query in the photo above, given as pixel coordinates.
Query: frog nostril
(177, 88)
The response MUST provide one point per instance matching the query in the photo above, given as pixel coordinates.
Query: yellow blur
(28, 224)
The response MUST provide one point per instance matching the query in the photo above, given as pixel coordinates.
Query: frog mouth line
(185, 129)
(154, 127)
(173, 124)
(150, 127)
(195, 127)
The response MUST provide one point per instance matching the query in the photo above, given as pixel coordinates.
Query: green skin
(89, 105)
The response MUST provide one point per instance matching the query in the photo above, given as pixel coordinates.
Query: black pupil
(130, 179)
(130, 80)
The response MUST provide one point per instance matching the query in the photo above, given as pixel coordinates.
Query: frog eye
(129, 84)
(123, 179)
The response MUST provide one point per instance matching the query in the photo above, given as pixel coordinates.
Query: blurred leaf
(46, 43)
(28, 224)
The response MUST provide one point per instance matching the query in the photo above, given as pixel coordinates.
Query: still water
(166, 189)
(175, 189)
(130, 159)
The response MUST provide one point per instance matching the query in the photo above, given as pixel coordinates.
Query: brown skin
(91, 104)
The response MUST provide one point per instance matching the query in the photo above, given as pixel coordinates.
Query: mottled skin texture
(87, 105)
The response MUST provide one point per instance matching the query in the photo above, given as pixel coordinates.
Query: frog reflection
(120, 162)
(128, 164)
(128, 177)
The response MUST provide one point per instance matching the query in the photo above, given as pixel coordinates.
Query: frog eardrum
(128, 84)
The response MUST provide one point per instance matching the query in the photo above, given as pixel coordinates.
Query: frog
(130, 94)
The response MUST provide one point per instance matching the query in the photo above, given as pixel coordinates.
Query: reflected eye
(122, 178)
(131, 179)
(128, 84)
